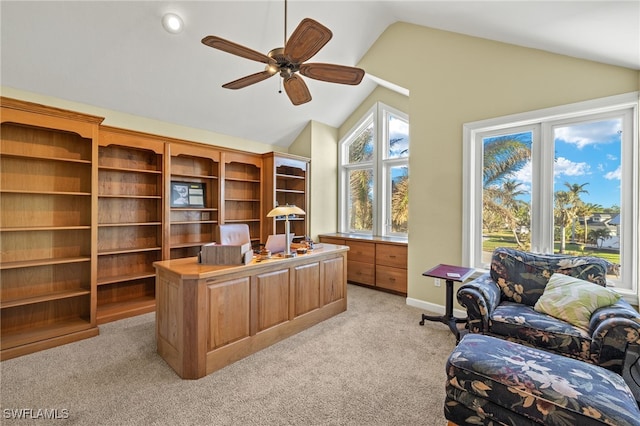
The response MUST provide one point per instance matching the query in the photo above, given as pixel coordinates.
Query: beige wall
(379, 94)
(454, 79)
(319, 142)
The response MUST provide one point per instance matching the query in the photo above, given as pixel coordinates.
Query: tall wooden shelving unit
(47, 227)
(86, 209)
(130, 214)
(286, 181)
(191, 227)
(242, 192)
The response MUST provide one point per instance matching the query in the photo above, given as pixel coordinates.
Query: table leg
(448, 317)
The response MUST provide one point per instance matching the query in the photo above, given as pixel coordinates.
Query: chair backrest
(234, 234)
(522, 276)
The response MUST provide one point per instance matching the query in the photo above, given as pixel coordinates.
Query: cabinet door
(273, 298)
(228, 306)
(334, 285)
(307, 288)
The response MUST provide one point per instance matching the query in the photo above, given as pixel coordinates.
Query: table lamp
(285, 211)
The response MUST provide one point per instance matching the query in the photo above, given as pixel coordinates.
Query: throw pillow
(574, 300)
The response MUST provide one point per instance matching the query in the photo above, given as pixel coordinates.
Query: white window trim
(379, 164)
(472, 169)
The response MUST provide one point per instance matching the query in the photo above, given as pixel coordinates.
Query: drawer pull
(392, 279)
(392, 256)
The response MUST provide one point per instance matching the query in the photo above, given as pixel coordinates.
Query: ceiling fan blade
(332, 73)
(248, 80)
(307, 40)
(297, 90)
(236, 49)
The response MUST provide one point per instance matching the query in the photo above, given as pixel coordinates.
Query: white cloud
(616, 174)
(611, 157)
(523, 175)
(569, 168)
(590, 133)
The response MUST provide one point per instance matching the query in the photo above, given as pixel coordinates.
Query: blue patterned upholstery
(500, 303)
(494, 381)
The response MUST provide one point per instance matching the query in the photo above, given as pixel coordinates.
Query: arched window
(374, 174)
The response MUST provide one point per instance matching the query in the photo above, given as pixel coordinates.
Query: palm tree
(503, 203)
(400, 204)
(361, 217)
(502, 157)
(568, 204)
(585, 211)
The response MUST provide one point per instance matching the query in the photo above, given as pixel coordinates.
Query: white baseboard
(432, 307)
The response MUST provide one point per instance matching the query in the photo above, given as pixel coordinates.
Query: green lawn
(505, 239)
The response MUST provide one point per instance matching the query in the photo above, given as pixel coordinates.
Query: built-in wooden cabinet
(86, 209)
(242, 192)
(192, 226)
(286, 181)
(379, 262)
(130, 189)
(46, 227)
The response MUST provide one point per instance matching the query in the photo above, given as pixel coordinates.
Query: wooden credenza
(379, 262)
(209, 316)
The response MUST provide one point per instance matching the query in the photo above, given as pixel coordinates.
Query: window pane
(398, 131)
(587, 175)
(506, 192)
(361, 148)
(399, 198)
(361, 200)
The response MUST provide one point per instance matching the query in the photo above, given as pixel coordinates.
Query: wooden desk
(209, 316)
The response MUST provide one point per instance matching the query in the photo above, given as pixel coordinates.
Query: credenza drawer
(360, 272)
(361, 252)
(391, 278)
(391, 255)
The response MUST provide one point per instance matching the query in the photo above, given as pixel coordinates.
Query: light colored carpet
(371, 365)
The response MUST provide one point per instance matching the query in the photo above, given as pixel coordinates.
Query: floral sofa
(506, 302)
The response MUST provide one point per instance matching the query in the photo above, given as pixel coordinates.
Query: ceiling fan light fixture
(172, 23)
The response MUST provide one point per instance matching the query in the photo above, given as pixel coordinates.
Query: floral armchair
(506, 303)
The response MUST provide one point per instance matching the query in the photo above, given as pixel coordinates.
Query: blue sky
(586, 153)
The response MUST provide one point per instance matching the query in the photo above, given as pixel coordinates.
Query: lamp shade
(285, 210)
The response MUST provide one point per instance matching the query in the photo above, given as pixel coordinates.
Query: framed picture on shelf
(187, 194)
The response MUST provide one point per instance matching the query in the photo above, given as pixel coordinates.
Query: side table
(449, 273)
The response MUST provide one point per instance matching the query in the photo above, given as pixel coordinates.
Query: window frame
(544, 121)
(381, 165)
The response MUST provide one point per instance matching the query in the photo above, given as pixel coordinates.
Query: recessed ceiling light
(172, 23)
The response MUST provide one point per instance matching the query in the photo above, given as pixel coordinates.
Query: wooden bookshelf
(189, 227)
(130, 213)
(242, 192)
(286, 181)
(46, 227)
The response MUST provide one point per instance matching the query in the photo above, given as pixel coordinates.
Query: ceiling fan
(307, 40)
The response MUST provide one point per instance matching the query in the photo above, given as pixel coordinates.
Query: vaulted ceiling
(116, 54)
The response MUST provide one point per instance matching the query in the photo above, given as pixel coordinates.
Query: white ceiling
(116, 55)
